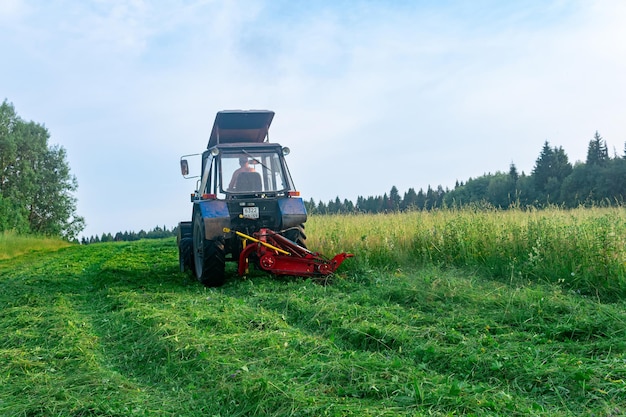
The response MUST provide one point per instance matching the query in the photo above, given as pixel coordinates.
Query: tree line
(554, 180)
(156, 233)
(36, 186)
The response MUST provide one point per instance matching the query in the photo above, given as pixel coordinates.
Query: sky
(368, 94)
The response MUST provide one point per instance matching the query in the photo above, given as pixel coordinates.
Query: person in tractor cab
(244, 166)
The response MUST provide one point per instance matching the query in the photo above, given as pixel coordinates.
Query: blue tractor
(245, 206)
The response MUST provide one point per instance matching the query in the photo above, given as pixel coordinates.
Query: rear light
(293, 193)
(209, 196)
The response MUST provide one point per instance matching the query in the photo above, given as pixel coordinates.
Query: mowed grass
(115, 330)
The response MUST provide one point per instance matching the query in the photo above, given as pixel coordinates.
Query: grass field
(12, 244)
(407, 327)
(582, 250)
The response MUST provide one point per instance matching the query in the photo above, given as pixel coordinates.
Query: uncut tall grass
(583, 249)
(13, 244)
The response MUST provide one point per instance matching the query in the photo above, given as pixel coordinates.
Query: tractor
(245, 206)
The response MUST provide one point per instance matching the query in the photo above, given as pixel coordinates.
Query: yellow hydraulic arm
(267, 245)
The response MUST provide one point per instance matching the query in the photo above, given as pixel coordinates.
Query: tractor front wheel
(209, 257)
(185, 254)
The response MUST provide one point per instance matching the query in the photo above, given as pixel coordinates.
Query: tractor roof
(235, 126)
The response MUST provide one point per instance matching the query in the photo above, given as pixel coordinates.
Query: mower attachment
(278, 255)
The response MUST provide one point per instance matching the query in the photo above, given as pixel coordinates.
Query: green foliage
(115, 330)
(35, 181)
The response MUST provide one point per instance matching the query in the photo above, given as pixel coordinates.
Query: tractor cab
(245, 171)
(239, 161)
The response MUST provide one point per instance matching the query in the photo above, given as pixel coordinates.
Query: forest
(554, 181)
(157, 233)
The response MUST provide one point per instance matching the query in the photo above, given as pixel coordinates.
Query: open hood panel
(240, 126)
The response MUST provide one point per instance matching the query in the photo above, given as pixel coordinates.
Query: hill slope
(115, 330)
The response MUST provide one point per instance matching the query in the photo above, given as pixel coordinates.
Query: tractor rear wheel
(296, 234)
(209, 257)
(185, 254)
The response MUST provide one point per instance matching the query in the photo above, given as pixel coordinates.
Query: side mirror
(184, 167)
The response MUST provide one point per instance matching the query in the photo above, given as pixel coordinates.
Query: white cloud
(11, 10)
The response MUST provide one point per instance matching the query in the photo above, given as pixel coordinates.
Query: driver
(244, 166)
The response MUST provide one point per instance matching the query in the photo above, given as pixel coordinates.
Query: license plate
(250, 212)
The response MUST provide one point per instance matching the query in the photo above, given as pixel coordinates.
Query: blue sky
(367, 94)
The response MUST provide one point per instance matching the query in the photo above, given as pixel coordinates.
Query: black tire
(208, 255)
(296, 234)
(185, 255)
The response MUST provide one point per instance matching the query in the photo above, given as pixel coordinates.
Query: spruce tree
(410, 199)
(543, 166)
(551, 168)
(394, 199)
(513, 172)
(597, 152)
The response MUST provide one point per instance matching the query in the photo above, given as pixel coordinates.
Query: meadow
(582, 250)
(13, 244)
(472, 312)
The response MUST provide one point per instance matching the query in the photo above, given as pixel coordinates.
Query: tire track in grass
(252, 357)
(50, 353)
(451, 335)
(366, 362)
(153, 334)
(115, 329)
(132, 347)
